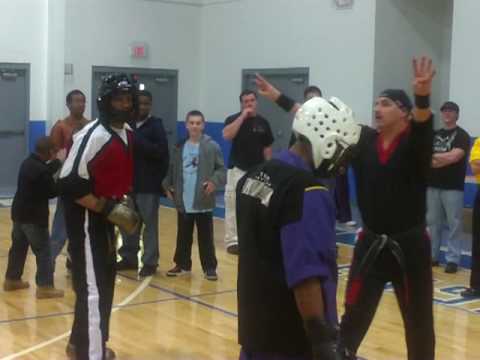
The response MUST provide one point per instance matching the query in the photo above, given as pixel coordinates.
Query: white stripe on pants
(94, 333)
(233, 176)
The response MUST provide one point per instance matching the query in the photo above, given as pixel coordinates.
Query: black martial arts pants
(93, 254)
(405, 261)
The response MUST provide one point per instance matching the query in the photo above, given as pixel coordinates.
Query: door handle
(11, 133)
(9, 75)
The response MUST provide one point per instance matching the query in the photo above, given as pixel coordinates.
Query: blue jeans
(23, 236)
(147, 206)
(58, 237)
(445, 209)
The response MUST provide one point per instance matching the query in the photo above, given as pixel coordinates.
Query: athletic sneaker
(211, 275)
(177, 271)
(232, 249)
(451, 268)
(148, 270)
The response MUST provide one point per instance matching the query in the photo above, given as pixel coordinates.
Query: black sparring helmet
(112, 85)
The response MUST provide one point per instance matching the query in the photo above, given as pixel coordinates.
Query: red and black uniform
(100, 162)
(393, 245)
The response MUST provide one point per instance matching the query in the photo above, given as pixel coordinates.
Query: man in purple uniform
(390, 167)
(287, 275)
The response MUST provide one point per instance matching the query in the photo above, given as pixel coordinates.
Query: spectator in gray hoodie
(196, 171)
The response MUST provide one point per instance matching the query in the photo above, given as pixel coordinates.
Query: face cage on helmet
(104, 103)
(338, 163)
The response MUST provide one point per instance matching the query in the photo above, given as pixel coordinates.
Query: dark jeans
(35, 236)
(58, 236)
(147, 206)
(183, 253)
(475, 273)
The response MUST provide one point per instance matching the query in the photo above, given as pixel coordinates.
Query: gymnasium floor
(192, 318)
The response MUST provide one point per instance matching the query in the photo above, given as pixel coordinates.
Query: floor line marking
(189, 298)
(43, 344)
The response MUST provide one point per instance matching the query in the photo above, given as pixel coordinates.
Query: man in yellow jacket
(474, 289)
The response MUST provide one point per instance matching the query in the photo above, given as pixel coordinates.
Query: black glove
(323, 338)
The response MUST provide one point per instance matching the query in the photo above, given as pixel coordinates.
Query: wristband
(285, 102)
(422, 101)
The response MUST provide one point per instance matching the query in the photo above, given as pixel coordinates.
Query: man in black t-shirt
(445, 186)
(252, 140)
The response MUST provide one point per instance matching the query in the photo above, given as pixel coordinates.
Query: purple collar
(292, 159)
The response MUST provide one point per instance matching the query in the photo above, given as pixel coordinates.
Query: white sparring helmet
(330, 127)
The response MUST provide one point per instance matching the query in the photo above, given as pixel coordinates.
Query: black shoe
(345, 354)
(125, 265)
(451, 268)
(211, 275)
(471, 293)
(177, 271)
(148, 270)
(71, 352)
(435, 263)
(233, 249)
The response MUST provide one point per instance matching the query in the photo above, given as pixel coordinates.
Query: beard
(120, 117)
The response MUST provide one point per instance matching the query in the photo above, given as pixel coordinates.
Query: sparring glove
(120, 214)
(323, 339)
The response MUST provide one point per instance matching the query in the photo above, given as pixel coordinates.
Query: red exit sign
(138, 50)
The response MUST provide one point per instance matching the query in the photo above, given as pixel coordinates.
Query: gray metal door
(14, 117)
(292, 82)
(163, 84)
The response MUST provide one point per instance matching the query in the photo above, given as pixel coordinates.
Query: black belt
(390, 242)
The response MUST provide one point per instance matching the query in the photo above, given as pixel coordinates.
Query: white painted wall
(407, 28)
(25, 41)
(98, 33)
(211, 44)
(465, 70)
(337, 46)
(55, 61)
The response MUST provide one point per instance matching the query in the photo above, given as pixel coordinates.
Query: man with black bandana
(94, 180)
(391, 169)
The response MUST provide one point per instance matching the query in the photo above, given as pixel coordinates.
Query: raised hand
(265, 88)
(423, 74)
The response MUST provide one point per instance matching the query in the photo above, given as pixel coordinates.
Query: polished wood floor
(192, 318)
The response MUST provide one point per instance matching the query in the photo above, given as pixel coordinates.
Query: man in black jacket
(150, 167)
(35, 186)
